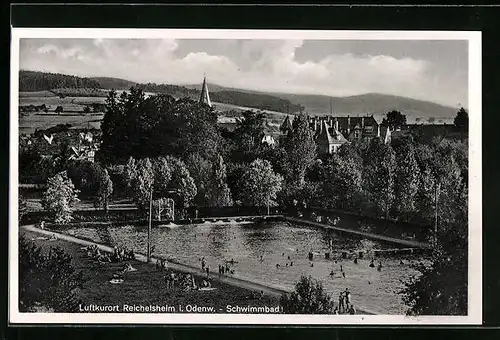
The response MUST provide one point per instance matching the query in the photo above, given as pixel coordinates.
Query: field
(31, 122)
(73, 112)
(75, 104)
(42, 94)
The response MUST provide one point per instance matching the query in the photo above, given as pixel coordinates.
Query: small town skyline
(435, 71)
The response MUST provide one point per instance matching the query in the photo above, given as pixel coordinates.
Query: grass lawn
(146, 285)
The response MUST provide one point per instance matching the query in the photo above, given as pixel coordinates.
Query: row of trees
(400, 180)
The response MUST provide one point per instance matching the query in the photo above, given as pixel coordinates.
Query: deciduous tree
(406, 177)
(259, 185)
(103, 186)
(300, 151)
(394, 119)
(47, 281)
(309, 297)
(342, 185)
(59, 109)
(60, 198)
(461, 120)
(378, 176)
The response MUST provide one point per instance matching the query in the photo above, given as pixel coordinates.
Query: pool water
(371, 290)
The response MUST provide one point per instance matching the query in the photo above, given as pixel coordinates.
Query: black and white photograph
(245, 177)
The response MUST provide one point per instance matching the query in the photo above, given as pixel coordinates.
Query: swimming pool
(277, 243)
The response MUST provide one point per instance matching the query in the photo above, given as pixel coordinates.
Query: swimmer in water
(332, 273)
(341, 268)
(371, 264)
(355, 260)
(401, 262)
(277, 265)
(343, 275)
(291, 264)
(312, 264)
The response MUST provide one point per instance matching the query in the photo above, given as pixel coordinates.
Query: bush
(309, 297)
(46, 281)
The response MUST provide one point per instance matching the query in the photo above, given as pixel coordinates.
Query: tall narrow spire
(205, 96)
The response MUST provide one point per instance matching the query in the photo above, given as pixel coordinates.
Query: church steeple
(205, 96)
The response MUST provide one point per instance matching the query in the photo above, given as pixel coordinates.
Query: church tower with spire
(205, 96)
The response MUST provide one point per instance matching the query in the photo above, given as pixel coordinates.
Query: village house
(352, 128)
(331, 132)
(328, 137)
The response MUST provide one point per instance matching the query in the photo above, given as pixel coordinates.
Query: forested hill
(374, 103)
(109, 83)
(41, 81)
(262, 101)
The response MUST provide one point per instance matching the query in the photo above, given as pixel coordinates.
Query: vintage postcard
(245, 177)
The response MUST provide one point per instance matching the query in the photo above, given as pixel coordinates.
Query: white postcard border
(475, 182)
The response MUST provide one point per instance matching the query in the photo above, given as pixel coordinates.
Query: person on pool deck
(208, 272)
(352, 310)
(355, 260)
(341, 302)
(336, 311)
(347, 295)
(203, 263)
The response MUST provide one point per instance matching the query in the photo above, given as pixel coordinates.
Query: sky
(433, 70)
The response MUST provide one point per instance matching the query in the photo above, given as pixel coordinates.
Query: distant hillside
(109, 83)
(172, 90)
(42, 81)
(372, 103)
